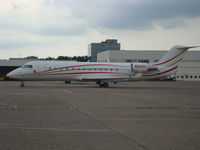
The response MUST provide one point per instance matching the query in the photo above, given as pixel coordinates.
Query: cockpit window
(27, 66)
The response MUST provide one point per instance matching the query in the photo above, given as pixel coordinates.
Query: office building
(95, 48)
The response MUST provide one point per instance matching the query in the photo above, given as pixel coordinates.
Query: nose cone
(11, 74)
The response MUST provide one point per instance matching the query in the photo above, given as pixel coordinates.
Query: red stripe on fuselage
(176, 62)
(73, 73)
(85, 73)
(84, 66)
(170, 59)
(56, 71)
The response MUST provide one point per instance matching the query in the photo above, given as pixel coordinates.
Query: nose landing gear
(22, 84)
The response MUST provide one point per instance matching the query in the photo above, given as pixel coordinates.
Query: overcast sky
(65, 27)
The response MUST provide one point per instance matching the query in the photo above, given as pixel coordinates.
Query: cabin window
(49, 68)
(27, 66)
(195, 77)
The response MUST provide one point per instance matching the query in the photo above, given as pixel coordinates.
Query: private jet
(101, 73)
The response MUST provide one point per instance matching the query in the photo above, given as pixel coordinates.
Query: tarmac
(81, 116)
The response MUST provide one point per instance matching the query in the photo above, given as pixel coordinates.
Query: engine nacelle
(143, 68)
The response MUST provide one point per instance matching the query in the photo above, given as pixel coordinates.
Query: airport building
(188, 70)
(95, 48)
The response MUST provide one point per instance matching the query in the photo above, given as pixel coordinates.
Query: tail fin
(174, 56)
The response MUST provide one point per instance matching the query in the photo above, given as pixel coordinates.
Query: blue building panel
(95, 48)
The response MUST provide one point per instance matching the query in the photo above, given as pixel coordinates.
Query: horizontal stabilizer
(186, 47)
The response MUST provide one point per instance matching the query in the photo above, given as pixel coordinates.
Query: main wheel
(22, 85)
(101, 85)
(105, 84)
(67, 82)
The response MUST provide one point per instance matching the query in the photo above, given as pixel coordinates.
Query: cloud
(52, 27)
(73, 18)
(133, 14)
(11, 39)
(40, 17)
(5, 44)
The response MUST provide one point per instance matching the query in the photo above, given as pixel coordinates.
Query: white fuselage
(101, 72)
(86, 71)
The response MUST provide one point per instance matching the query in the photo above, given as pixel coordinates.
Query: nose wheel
(22, 84)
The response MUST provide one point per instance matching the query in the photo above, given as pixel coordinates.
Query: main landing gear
(102, 84)
(67, 82)
(22, 84)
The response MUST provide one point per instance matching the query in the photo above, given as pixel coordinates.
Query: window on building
(128, 60)
(143, 60)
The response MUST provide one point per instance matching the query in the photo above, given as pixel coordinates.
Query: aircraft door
(41, 66)
(131, 67)
(35, 67)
